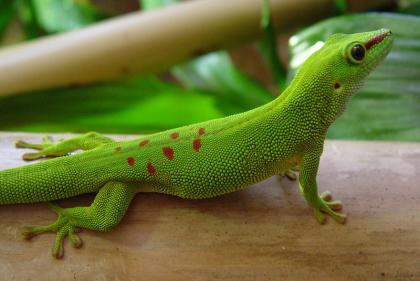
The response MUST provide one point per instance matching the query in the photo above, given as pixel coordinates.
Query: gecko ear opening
(337, 85)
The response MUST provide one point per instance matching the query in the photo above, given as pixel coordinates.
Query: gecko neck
(298, 111)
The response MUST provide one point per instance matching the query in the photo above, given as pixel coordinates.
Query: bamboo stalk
(144, 42)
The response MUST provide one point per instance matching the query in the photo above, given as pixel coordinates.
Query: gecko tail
(40, 182)
(22, 185)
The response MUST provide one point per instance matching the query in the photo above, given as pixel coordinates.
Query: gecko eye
(355, 53)
(358, 52)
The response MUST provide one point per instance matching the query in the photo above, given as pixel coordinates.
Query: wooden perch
(146, 42)
(265, 232)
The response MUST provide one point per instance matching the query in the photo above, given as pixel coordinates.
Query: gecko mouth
(383, 39)
(377, 39)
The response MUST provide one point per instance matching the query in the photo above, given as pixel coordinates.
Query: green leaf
(341, 6)
(214, 88)
(154, 4)
(7, 12)
(28, 18)
(64, 15)
(268, 46)
(216, 74)
(409, 7)
(388, 106)
(140, 105)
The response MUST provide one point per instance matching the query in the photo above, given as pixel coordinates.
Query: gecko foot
(46, 143)
(328, 206)
(63, 226)
(291, 173)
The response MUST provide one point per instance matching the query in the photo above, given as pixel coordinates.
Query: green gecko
(205, 159)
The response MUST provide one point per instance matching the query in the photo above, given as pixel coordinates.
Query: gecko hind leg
(291, 173)
(106, 211)
(49, 149)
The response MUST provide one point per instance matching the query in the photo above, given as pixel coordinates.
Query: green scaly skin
(206, 159)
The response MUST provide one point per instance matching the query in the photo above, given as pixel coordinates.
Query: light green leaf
(28, 17)
(268, 46)
(140, 105)
(388, 106)
(216, 74)
(65, 15)
(409, 7)
(214, 88)
(341, 6)
(7, 12)
(154, 4)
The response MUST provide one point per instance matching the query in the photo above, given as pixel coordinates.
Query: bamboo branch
(144, 42)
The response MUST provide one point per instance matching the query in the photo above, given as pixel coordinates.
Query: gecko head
(339, 68)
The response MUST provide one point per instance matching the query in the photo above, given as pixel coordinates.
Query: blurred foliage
(154, 4)
(409, 7)
(268, 46)
(388, 106)
(7, 12)
(341, 6)
(216, 74)
(143, 105)
(41, 17)
(211, 86)
(58, 16)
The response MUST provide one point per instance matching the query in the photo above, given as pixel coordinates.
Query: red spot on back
(197, 145)
(375, 40)
(168, 152)
(143, 143)
(150, 168)
(201, 131)
(118, 149)
(174, 135)
(130, 161)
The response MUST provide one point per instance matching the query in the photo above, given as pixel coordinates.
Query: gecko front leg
(322, 203)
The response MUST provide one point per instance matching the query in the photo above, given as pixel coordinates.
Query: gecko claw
(328, 206)
(75, 239)
(32, 156)
(21, 144)
(290, 174)
(326, 196)
(335, 205)
(295, 168)
(319, 216)
(28, 232)
(46, 142)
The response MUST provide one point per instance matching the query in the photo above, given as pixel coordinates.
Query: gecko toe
(74, 238)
